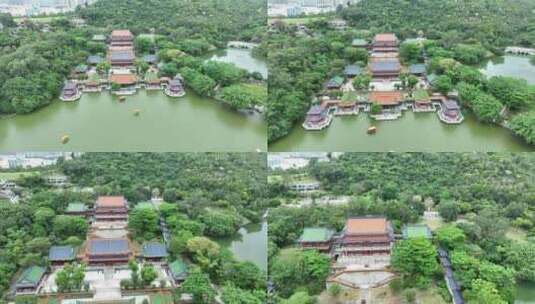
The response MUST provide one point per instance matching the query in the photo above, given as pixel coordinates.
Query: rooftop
(316, 235)
(315, 110)
(386, 37)
(418, 68)
(359, 42)
(150, 58)
(352, 69)
(94, 59)
(112, 201)
(371, 225)
(336, 81)
(178, 268)
(31, 276)
(76, 207)
(61, 253)
(108, 246)
(385, 65)
(121, 33)
(451, 104)
(154, 250)
(386, 98)
(122, 55)
(99, 37)
(414, 231)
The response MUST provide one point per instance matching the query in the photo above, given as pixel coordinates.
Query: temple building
(122, 38)
(175, 87)
(316, 238)
(360, 43)
(154, 251)
(107, 251)
(317, 118)
(111, 208)
(70, 92)
(386, 42)
(387, 99)
(365, 236)
(59, 255)
(334, 83)
(385, 68)
(179, 271)
(352, 70)
(119, 57)
(29, 280)
(123, 79)
(79, 209)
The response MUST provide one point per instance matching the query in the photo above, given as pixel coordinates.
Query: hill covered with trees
(485, 201)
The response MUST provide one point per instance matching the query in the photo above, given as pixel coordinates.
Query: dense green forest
(36, 58)
(486, 201)
(458, 41)
(206, 196)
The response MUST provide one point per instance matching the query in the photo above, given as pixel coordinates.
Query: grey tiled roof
(122, 55)
(61, 253)
(380, 66)
(108, 246)
(154, 250)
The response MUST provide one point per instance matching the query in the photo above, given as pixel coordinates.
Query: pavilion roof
(316, 235)
(108, 246)
(414, 231)
(31, 276)
(367, 225)
(112, 201)
(154, 250)
(61, 253)
(386, 98)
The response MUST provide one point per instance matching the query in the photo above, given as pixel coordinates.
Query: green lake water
(243, 59)
(525, 293)
(416, 131)
(249, 244)
(98, 122)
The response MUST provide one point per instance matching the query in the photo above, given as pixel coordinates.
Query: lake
(511, 66)
(250, 244)
(241, 58)
(525, 293)
(98, 122)
(416, 131)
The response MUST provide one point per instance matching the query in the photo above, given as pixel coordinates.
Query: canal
(416, 131)
(249, 244)
(99, 122)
